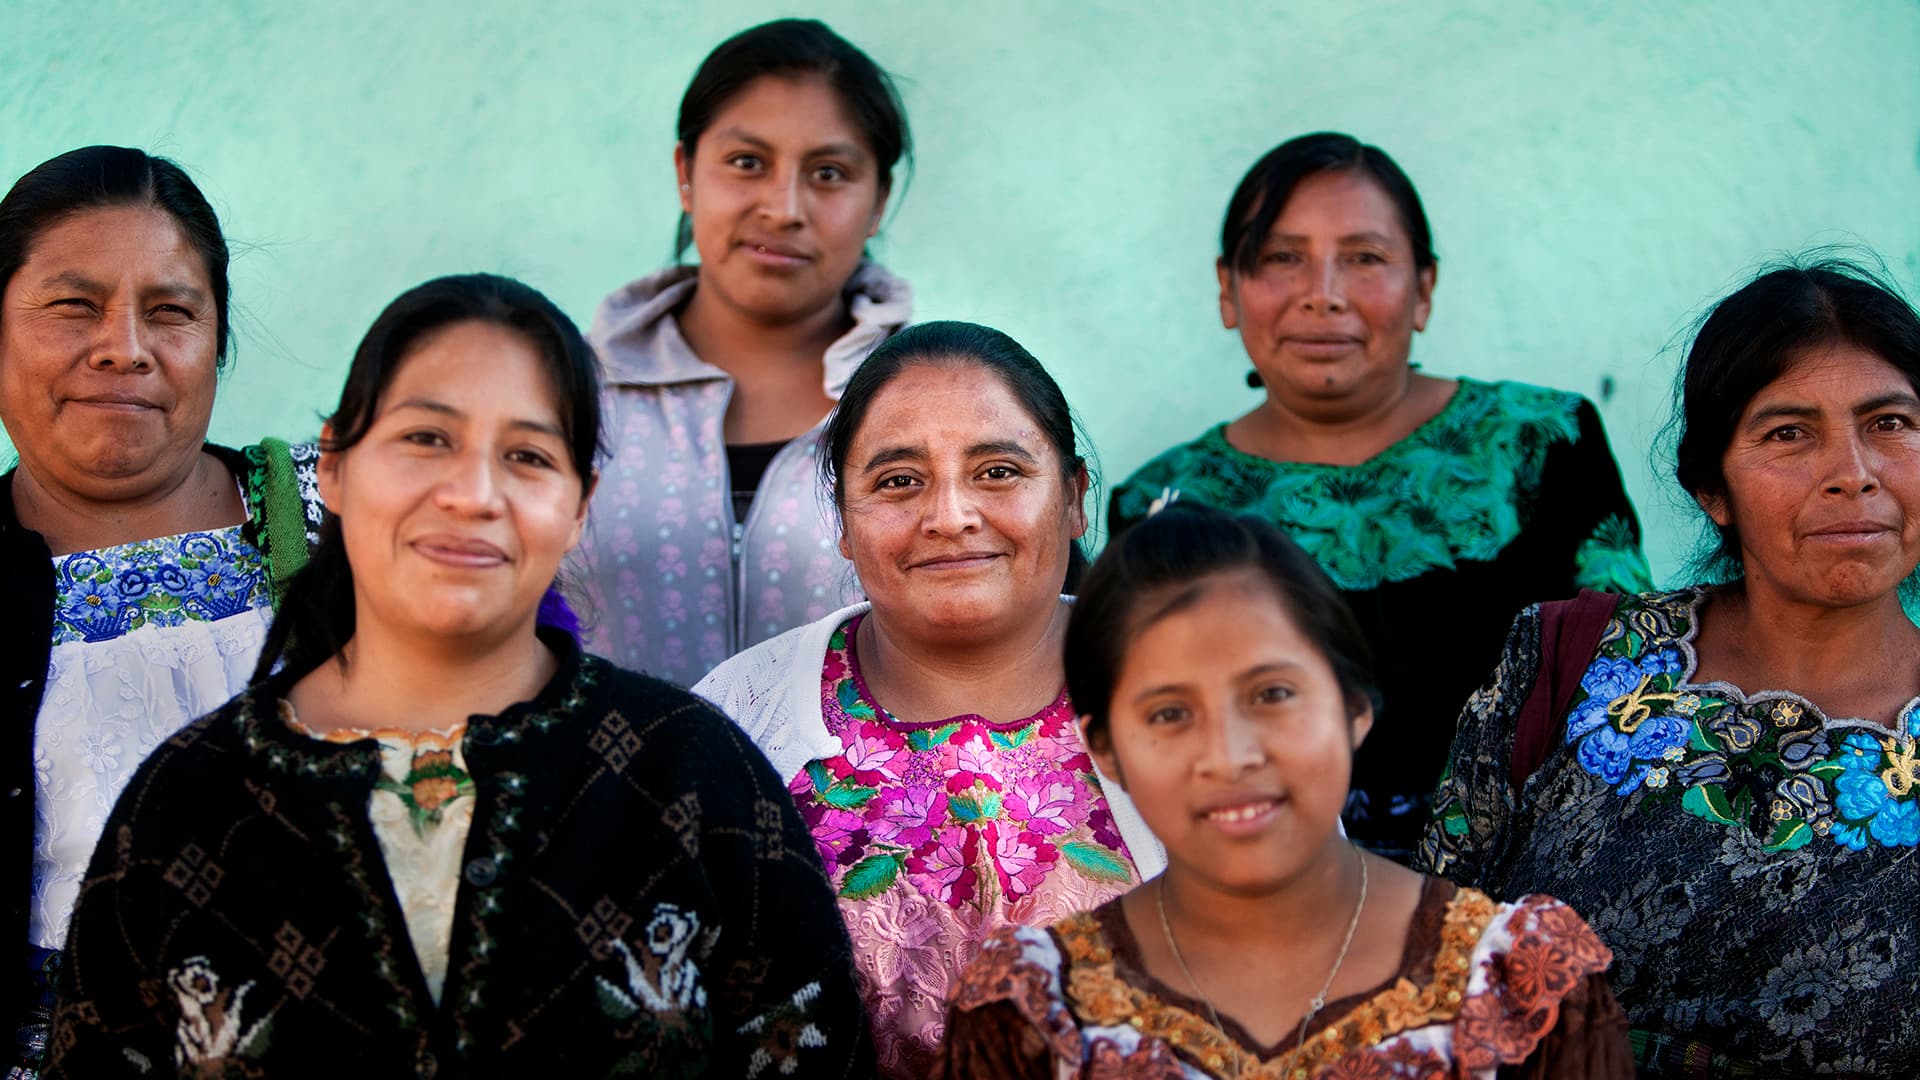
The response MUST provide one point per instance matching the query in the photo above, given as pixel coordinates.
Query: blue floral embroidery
(1770, 765)
(194, 577)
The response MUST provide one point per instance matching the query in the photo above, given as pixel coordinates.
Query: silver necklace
(1318, 1001)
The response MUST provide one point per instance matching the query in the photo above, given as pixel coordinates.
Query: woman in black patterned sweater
(433, 838)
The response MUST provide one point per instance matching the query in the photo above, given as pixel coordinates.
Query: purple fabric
(557, 613)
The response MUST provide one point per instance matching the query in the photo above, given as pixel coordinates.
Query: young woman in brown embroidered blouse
(434, 836)
(1225, 686)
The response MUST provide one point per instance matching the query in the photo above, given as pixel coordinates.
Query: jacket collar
(639, 340)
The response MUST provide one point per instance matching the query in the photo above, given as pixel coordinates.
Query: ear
(1229, 304)
(326, 474)
(1103, 757)
(1716, 508)
(1077, 513)
(846, 549)
(879, 209)
(1360, 724)
(1423, 296)
(580, 519)
(683, 176)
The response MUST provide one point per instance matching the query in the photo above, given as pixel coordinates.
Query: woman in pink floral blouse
(927, 734)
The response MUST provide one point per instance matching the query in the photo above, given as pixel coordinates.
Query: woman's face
(958, 516)
(1823, 480)
(107, 361)
(460, 501)
(783, 193)
(1333, 300)
(1228, 729)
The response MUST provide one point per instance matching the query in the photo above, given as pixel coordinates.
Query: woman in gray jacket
(709, 531)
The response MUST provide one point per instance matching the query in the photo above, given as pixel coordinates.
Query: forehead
(478, 368)
(799, 111)
(1339, 202)
(1224, 623)
(948, 404)
(1836, 375)
(112, 242)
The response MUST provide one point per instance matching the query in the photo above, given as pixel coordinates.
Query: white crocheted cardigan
(773, 692)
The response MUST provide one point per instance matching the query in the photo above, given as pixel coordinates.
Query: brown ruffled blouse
(1483, 989)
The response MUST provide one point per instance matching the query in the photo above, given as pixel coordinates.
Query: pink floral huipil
(937, 834)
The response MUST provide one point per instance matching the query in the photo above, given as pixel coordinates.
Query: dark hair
(1155, 568)
(1751, 338)
(938, 343)
(793, 47)
(99, 177)
(1262, 195)
(316, 617)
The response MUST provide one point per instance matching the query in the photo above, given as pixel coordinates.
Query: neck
(200, 494)
(1003, 677)
(745, 346)
(385, 680)
(1315, 903)
(1344, 431)
(1839, 657)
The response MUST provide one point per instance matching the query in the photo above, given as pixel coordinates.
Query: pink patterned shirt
(937, 834)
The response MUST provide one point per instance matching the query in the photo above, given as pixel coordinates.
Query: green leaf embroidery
(1703, 740)
(1455, 822)
(1709, 802)
(1095, 862)
(871, 876)
(928, 738)
(977, 804)
(822, 779)
(1788, 835)
(850, 703)
(1010, 740)
(613, 1002)
(848, 796)
(1828, 770)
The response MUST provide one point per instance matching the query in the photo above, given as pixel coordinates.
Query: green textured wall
(1594, 176)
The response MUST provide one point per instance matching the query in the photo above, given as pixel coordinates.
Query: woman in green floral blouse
(1727, 781)
(1440, 507)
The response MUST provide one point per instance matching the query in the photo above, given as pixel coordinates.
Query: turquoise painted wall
(1595, 173)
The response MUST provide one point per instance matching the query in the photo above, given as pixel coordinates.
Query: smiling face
(958, 514)
(1229, 730)
(783, 193)
(1329, 310)
(1823, 480)
(107, 354)
(458, 504)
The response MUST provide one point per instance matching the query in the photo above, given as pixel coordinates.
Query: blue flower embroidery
(194, 577)
(1608, 679)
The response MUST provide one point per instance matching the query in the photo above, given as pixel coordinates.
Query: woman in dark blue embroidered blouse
(1440, 507)
(433, 837)
(1731, 793)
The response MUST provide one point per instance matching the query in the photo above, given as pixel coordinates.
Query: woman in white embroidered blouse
(136, 556)
(926, 734)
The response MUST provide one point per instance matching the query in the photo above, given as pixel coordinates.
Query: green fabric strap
(285, 514)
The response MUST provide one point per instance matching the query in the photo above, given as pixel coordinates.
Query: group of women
(341, 752)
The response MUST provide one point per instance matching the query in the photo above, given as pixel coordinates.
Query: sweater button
(481, 872)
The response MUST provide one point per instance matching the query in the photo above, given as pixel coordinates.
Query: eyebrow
(1349, 238)
(445, 409)
(74, 279)
(1273, 667)
(980, 449)
(836, 149)
(1797, 410)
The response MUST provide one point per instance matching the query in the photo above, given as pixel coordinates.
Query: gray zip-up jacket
(674, 584)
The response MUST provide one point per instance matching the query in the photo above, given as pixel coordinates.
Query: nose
(470, 485)
(1326, 293)
(1233, 747)
(782, 204)
(120, 343)
(950, 511)
(1851, 467)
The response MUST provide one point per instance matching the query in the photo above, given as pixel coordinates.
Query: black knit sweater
(638, 896)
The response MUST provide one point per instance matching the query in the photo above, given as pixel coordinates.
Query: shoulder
(1209, 446)
(1200, 468)
(196, 782)
(1517, 406)
(756, 686)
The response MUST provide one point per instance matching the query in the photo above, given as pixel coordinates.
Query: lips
(775, 253)
(957, 560)
(460, 552)
(1241, 811)
(1852, 531)
(115, 401)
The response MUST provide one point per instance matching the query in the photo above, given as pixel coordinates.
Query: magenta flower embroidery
(1049, 804)
(871, 749)
(943, 867)
(907, 816)
(1022, 859)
